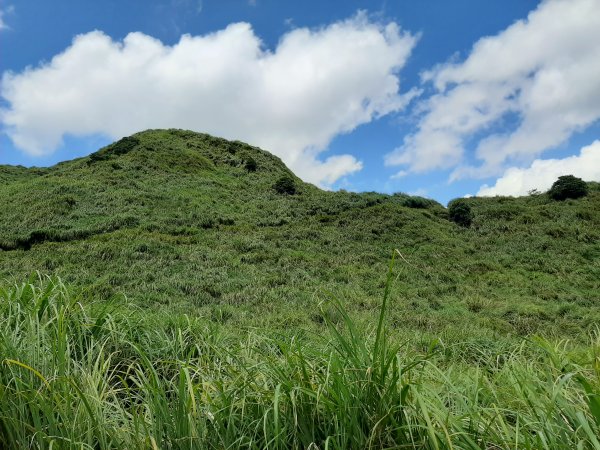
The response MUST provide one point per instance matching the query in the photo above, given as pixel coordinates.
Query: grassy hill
(204, 309)
(174, 219)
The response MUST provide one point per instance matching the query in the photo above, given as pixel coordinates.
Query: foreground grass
(84, 376)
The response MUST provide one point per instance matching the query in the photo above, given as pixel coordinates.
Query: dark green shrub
(96, 157)
(69, 201)
(207, 223)
(250, 164)
(285, 185)
(223, 221)
(417, 202)
(568, 186)
(123, 146)
(460, 212)
(120, 147)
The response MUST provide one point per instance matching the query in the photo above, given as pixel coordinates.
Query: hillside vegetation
(174, 219)
(211, 299)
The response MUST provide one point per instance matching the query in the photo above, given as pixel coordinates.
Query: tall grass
(75, 375)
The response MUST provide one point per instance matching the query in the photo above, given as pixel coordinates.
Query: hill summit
(140, 177)
(188, 152)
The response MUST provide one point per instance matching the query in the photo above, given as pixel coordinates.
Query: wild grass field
(160, 293)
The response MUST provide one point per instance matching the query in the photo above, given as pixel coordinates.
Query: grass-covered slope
(179, 221)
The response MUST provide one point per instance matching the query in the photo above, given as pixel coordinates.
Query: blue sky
(432, 97)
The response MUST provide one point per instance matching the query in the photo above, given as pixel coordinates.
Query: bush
(285, 185)
(460, 212)
(120, 147)
(250, 164)
(96, 157)
(568, 186)
(418, 202)
(123, 146)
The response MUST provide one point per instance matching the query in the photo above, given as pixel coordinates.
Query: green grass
(80, 375)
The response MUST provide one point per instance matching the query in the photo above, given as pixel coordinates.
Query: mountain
(179, 221)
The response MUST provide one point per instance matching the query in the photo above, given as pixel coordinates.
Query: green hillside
(163, 294)
(175, 219)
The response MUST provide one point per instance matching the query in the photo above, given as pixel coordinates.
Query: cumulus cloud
(291, 101)
(543, 172)
(541, 74)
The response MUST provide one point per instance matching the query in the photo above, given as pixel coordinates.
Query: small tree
(460, 212)
(568, 186)
(285, 185)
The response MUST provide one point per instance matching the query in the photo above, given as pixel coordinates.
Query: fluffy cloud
(292, 101)
(543, 172)
(542, 73)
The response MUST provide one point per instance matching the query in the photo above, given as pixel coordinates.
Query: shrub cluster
(568, 186)
(120, 147)
(417, 202)
(285, 185)
(460, 212)
(250, 164)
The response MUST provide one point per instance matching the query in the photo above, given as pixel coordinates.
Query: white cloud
(291, 101)
(543, 73)
(399, 175)
(421, 192)
(543, 172)
(10, 9)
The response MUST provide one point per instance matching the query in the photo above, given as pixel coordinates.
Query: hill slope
(177, 219)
